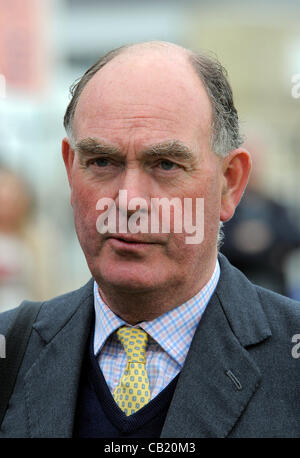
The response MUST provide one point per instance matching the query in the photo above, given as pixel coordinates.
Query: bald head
(145, 82)
(138, 67)
(156, 47)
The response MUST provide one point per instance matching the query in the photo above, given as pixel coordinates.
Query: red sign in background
(23, 51)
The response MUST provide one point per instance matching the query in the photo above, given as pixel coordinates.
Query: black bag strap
(16, 341)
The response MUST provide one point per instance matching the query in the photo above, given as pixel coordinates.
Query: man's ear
(236, 170)
(68, 157)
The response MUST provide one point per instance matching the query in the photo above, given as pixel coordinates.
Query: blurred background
(47, 44)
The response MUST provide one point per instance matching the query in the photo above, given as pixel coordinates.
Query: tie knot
(134, 341)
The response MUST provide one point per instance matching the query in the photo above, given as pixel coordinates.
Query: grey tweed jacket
(240, 378)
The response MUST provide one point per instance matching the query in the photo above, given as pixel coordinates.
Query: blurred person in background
(262, 235)
(23, 269)
(167, 339)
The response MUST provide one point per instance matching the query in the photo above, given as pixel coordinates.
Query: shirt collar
(173, 330)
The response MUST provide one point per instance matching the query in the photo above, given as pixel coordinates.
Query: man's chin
(134, 279)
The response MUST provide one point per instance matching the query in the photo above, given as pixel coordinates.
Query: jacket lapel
(219, 376)
(51, 383)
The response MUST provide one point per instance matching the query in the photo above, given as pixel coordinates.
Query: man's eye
(167, 165)
(102, 162)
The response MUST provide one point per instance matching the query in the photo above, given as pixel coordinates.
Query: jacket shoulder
(7, 318)
(283, 312)
(47, 307)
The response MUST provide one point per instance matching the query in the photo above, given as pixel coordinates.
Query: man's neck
(134, 306)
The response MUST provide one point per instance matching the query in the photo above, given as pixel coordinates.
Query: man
(211, 354)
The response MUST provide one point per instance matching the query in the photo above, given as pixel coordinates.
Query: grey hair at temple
(225, 129)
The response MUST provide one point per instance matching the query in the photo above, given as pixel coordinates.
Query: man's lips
(133, 239)
(130, 245)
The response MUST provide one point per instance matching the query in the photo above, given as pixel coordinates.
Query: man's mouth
(131, 239)
(131, 242)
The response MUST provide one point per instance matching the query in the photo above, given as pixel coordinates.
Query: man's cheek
(85, 217)
(84, 202)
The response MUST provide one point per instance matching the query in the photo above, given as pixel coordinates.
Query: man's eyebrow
(173, 149)
(91, 146)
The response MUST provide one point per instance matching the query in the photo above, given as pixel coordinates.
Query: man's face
(143, 124)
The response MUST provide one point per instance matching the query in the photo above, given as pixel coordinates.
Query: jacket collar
(241, 305)
(237, 296)
(55, 314)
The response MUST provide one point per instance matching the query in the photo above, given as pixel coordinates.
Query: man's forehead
(153, 67)
(153, 88)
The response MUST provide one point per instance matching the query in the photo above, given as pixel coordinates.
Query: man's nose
(135, 186)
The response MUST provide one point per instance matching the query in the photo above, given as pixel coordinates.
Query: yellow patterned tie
(133, 392)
